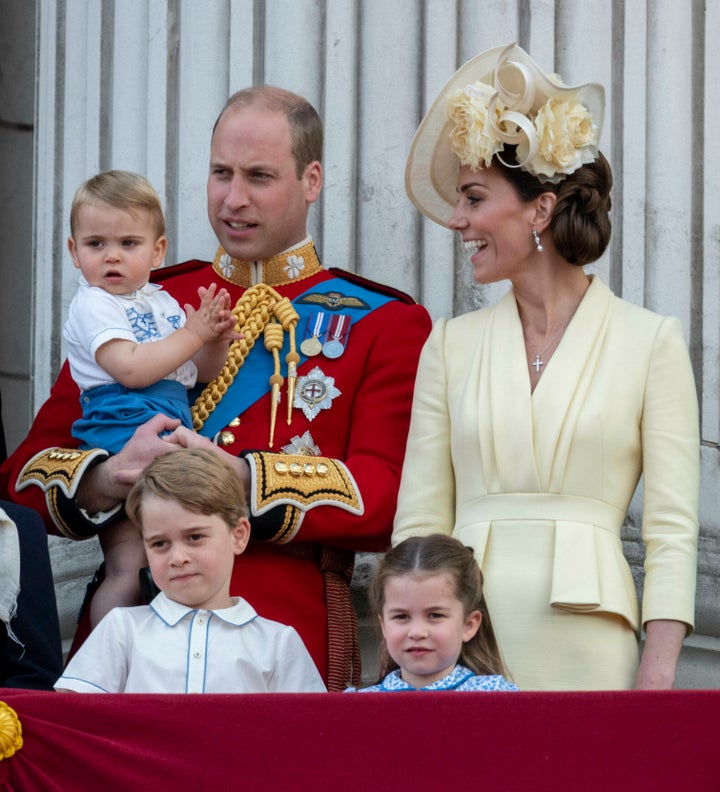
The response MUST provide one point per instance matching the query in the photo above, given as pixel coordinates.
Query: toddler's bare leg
(124, 553)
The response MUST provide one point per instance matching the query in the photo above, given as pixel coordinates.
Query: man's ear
(313, 178)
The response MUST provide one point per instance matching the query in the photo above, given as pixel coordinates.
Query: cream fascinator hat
(501, 97)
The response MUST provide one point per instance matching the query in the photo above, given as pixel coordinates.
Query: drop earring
(536, 239)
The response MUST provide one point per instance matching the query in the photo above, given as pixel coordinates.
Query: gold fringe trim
(10, 731)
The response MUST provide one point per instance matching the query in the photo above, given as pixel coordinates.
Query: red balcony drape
(413, 741)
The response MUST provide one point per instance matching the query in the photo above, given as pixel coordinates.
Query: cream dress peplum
(538, 484)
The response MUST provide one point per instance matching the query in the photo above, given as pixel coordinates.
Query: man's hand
(183, 437)
(107, 484)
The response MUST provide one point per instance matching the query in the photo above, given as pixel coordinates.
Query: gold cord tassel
(254, 312)
(288, 318)
(273, 343)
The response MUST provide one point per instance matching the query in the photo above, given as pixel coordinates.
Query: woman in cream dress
(534, 419)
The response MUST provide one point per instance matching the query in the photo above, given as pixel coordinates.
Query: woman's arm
(663, 642)
(426, 501)
(671, 474)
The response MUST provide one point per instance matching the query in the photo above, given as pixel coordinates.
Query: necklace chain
(538, 363)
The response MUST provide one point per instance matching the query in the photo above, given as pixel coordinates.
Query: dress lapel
(505, 409)
(561, 392)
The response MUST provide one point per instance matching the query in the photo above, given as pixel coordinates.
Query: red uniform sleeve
(51, 428)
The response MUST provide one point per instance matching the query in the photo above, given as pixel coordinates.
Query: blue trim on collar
(172, 613)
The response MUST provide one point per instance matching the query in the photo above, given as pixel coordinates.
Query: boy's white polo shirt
(166, 647)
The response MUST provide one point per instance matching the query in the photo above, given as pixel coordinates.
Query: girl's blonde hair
(437, 554)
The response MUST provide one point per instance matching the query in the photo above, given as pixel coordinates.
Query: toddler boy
(132, 350)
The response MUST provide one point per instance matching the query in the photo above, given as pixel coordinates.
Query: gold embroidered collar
(292, 265)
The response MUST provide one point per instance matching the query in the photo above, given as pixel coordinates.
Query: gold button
(64, 456)
(235, 422)
(226, 438)
(296, 469)
(322, 469)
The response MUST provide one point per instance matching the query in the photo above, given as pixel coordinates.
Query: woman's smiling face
(495, 225)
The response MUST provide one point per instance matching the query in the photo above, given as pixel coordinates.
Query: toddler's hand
(213, 318)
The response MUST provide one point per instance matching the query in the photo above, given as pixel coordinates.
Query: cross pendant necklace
(538, 363)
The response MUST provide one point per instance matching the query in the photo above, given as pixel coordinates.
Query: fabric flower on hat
(553, 140)
(567, 139)
(472, 138)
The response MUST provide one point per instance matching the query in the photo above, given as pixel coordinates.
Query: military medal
(312, 345)
(336, 336)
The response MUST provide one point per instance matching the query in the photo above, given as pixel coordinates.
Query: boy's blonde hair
(197, 479)
(121, 190)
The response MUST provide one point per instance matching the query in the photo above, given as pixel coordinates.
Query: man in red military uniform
(313, 403)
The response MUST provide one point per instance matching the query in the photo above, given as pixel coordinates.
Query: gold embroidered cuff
(58, 472)
(297, 483)
(59, 467)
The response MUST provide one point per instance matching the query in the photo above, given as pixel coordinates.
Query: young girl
(437, 634)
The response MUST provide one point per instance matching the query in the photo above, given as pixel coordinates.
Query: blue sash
(252, 381)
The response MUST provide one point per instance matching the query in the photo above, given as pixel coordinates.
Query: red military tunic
(296, 569)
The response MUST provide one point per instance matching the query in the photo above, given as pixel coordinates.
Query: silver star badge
(314, 392)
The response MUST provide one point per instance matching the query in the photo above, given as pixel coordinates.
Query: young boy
(117, 238)
(193, 637)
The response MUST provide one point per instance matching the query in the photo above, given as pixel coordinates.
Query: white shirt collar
(171, 612)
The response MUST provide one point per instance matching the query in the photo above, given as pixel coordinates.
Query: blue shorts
(112, 413)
